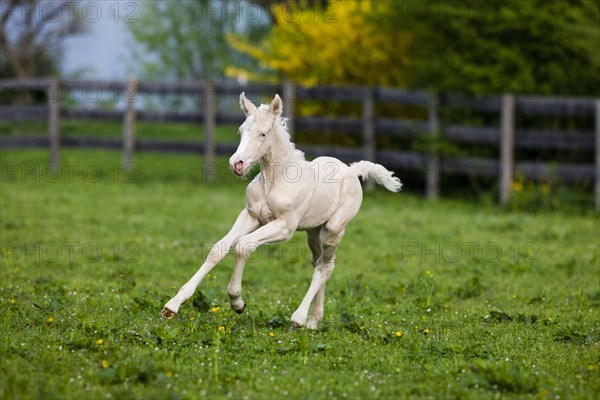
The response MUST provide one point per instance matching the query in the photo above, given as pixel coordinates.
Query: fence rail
(507, 136)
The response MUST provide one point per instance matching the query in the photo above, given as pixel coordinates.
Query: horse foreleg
(234, 289)
(272, 232)
(243, 225)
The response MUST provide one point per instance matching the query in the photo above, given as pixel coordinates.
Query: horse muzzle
(239, 167)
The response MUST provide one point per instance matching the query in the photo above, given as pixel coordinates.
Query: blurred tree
(31, 34)
(534, 46)
(267, 5)
(336, 43)
(186, 40)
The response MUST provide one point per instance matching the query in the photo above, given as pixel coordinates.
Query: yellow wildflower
(221, 328)
(399, 334)
(215, 309)
(104, 364)
(99, 341)
(50, 319)
(12, 301)
(272, 334)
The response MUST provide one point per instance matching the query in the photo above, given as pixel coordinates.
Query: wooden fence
(507, 136)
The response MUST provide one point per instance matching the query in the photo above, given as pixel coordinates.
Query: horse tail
(377, 172)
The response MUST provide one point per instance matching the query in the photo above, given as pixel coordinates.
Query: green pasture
(102, 128)
(429, 299)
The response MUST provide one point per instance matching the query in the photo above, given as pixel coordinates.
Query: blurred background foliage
(497, 46)
(479, 47)
(342, 43)
(188, 39)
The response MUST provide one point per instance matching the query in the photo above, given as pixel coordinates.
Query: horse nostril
(238, 167)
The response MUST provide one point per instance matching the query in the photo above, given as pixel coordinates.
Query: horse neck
(278, 157)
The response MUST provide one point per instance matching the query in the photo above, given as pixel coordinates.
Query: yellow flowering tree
(337, 44)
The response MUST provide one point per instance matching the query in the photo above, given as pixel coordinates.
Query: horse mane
(281, 122)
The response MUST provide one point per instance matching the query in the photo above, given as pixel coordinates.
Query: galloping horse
(320, 197)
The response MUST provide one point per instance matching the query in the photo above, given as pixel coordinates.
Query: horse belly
(321, 207)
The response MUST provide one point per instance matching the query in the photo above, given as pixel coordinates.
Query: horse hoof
(295, 327)
(167, 314)
(241, 310)
(312, 325)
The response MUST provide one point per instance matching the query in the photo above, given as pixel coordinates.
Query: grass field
(100, 128)
(429, 299)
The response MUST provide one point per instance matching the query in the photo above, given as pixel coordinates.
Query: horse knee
(217, 253)
(333, 235)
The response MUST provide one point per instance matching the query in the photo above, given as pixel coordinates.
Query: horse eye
(263, 134)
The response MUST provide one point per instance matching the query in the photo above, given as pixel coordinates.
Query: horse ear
(246, 105)
(276, 106)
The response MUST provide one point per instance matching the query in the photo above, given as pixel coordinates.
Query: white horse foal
(320, 197)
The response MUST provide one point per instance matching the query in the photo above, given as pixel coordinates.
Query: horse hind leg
(322, 272)
(331, 236)
(316, 248)
(318, 309)
(313, 237)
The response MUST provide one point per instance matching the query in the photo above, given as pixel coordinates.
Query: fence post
(368, 128)
(53, 93)
(368, 124)
(129, 119)
(597, 155)
(289, 106)
(210, 117)
(432, 182)
(507, 148)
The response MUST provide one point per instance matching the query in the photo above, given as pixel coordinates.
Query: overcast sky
(100, 52)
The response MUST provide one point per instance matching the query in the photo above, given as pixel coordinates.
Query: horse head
(256, 133)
